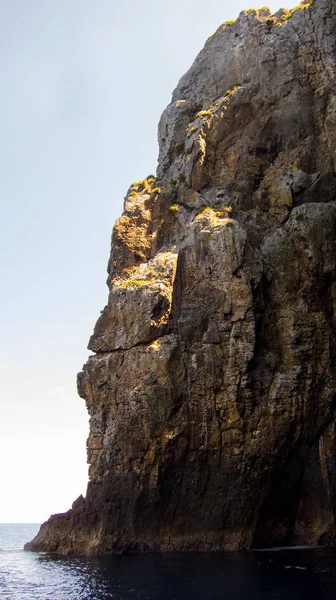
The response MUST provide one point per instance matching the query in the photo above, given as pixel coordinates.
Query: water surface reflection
(242, 576)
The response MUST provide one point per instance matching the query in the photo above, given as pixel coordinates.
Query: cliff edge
(212, 387)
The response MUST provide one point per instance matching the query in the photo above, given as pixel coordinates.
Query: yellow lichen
(138, 187)
(204, 209)
(204, 113)
(289, 13)
(135, 283)
(219, 213)
(156, 345)
(232, 91)
(224, 212)
(191, 130)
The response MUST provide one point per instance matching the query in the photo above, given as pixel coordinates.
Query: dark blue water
(280, 575)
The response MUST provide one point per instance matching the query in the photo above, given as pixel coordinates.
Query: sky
(83, 86)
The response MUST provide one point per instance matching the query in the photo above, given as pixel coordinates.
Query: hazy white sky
(83, 85)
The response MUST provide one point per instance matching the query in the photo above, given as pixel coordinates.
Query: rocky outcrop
(212, 386)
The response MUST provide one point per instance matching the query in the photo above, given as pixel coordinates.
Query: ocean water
(256, 575)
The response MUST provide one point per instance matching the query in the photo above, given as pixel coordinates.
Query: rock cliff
(212, 386)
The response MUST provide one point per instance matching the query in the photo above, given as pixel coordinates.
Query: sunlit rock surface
(211, 390)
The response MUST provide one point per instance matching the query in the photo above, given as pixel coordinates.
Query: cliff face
(212, 386)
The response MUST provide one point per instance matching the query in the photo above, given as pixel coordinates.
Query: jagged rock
(212, 389)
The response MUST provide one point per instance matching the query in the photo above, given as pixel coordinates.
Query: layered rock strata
(212, 386)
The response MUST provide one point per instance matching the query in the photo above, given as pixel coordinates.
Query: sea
(278, 574)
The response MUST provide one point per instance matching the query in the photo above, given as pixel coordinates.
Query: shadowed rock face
(212, 387)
